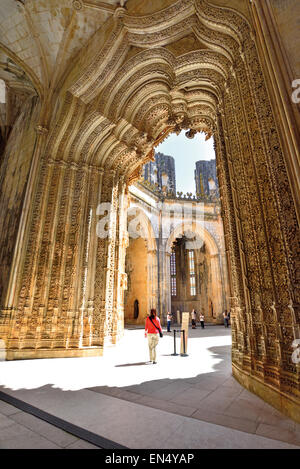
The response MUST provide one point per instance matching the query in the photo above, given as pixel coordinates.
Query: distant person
(226, 318)
(169, 319)
(152, 329)
(202, 320)
(194, 319)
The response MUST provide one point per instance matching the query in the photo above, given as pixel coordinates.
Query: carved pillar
(121, 277)
(152, 279)
(252, 227)
(110, 195)
(215, 265)
(93, 280)
(267, 235)
(9, 316)
(55, 312)
(167, 282)
(230, 210)
(279, 75)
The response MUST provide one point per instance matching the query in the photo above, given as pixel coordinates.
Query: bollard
(184, 354)
(175, 354)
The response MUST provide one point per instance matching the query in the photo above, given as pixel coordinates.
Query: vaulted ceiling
(138, 69)
(40, 38)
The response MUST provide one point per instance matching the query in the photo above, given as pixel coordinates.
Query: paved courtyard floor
(181, 402)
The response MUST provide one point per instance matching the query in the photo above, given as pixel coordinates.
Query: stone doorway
(194, 66)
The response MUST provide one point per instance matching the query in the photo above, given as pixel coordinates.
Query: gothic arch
(146, 279)
(198, 229)
(133, 91)
(147, 230)
(214, 256)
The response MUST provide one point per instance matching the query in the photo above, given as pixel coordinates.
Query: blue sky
(186, 152)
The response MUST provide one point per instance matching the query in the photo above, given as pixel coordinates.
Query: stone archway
(141, 266)
(193, 66)
(216, 265)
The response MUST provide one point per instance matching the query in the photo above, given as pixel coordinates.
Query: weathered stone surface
(105, 97)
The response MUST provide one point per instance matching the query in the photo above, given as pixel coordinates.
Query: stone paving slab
(15, 436)
(134, 425)
(199, 389)
(7, 409)
(210, 436)
(20, 430)
(54, 434)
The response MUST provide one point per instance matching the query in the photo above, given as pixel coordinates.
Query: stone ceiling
(102, 55)
(40, 38)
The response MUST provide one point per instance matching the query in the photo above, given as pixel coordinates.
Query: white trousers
(152, 343)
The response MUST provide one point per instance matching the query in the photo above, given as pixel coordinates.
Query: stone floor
(181, 402)
(20, 430)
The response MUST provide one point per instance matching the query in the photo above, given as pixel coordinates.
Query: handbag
(159, 330)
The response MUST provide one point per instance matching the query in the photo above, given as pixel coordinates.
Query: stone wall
(15, 167)
(122, 95)
(205, 170)
(160, 226)
(210, 298)
(286, 15)
(137, 274)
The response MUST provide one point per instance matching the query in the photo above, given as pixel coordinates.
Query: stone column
(107, 254)
(167, 282)
(152, 279)
(94, 310)
(9, 317)
(121, 277)
(217, 283)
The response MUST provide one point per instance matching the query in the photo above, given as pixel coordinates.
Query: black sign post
(175, 354)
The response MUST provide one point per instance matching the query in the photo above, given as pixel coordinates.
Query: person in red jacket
(152, 331)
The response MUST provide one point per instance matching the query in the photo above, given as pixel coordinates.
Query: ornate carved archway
(191, 66)
(144, 268)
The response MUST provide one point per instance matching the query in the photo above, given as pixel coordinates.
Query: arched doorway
(208, 292)
(136, 296)
(140, 267)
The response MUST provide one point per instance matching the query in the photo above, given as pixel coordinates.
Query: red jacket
(150, 328)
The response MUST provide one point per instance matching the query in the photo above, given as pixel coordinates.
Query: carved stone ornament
(194, 65)
(77, 4)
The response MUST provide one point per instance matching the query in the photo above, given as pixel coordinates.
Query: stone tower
(206, 180)
(161, 172)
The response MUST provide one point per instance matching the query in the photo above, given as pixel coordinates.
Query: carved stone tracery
(108, 122)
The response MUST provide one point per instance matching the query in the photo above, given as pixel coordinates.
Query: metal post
(175, 354)
(183, 354)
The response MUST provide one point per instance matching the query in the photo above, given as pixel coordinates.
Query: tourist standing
(169, 319)
(226, 319)
(152, 329)
(202, 320)
(194, 318)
